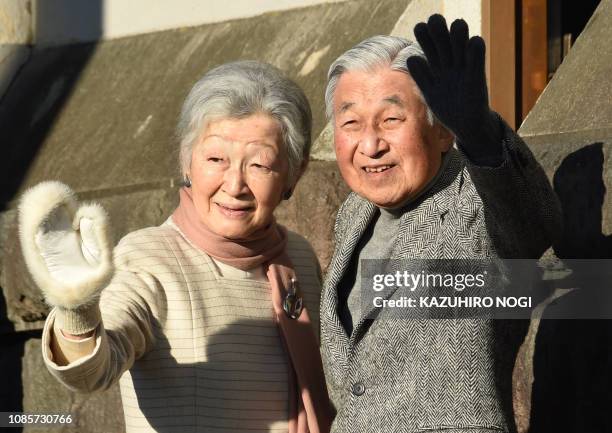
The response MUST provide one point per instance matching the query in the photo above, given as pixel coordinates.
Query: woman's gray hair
(374, 52)
(238, 90)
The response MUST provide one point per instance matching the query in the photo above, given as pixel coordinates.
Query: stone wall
(15, 38)
(564, 373)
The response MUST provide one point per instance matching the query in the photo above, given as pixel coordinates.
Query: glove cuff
(79, 320)
(483, 144)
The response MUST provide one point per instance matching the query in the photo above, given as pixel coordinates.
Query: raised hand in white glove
(67, 251)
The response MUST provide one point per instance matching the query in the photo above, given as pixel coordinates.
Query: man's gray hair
(238, 90)
(374, 52)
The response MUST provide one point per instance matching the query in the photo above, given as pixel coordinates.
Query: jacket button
(358, 389)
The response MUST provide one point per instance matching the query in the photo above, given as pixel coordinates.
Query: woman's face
(238, 173)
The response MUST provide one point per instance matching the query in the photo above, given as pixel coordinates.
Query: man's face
(386, 150)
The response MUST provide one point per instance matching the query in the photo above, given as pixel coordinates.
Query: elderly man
(396, 112)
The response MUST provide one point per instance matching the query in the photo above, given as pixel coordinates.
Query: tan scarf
(309, 407)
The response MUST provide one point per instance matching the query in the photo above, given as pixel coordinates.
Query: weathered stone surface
(25, 306)
(11, 391)
(12, 57)
(312, 209)
(16, 22)
(580, 171)
(98, 116)
(323, 147)
(570, 132)
(577, 100)
(102, 117)
(27, 386)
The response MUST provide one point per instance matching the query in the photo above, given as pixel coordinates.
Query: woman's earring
(187, 182)
(287, 194)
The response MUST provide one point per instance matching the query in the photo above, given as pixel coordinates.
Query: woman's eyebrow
(205, 137)
(259, 142)
(262, 143)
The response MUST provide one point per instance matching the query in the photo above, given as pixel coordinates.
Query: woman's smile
(234, 211)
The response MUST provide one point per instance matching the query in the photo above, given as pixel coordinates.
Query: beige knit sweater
(194, 349)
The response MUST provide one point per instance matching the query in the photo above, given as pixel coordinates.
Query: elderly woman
(208, 320)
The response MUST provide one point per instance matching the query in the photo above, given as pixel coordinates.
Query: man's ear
(444, 137)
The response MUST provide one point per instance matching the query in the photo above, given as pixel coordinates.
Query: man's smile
(377, 168)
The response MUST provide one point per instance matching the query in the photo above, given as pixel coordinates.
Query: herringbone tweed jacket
(451, 375)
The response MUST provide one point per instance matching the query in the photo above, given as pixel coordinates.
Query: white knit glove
(67, 251)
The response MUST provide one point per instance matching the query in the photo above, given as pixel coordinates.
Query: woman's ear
(186, 180)
(288, 192)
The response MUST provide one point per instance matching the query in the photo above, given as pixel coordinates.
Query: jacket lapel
(355, 219)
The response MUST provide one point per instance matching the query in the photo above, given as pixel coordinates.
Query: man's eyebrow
(395, 100)
(345, 106)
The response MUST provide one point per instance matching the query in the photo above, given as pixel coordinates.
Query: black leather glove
(454, 84)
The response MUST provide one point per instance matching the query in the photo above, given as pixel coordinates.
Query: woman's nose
(372, 144)
(234, 182)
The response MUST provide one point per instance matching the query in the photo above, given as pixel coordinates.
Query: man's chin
(383, 200)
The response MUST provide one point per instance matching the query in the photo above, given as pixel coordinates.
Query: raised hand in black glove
(454, 85)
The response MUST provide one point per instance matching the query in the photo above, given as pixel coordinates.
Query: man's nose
(371, 143)
(234, 182)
